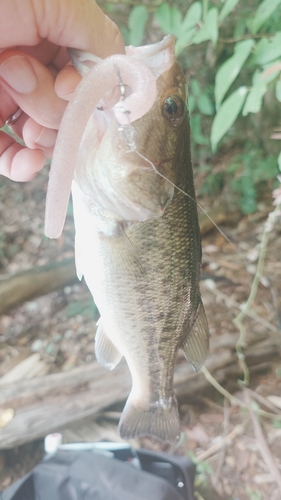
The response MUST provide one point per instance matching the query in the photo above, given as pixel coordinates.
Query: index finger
(68, 23)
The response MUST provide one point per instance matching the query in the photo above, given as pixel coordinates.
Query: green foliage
(209, 30)
(203, 472)
(227, 114)
(169, 18)
(264, 11)
(227, 7)
(267, 49)
(213, 184)
(134, 33)
(249, 170)
(228, 72)
(231, 50)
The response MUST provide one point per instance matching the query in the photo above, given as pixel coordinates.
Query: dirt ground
(238, 453)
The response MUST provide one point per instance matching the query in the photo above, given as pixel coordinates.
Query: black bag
(84, 475)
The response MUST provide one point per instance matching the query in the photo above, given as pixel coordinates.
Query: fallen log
(46, 404)
(37, 281)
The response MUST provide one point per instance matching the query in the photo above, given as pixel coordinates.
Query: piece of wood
(46, 404)
(35, 282)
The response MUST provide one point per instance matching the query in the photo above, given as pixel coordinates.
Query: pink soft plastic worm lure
(100, 79)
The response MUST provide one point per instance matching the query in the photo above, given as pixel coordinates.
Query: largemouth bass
(138, 242)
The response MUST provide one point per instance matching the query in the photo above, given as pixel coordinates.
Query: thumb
(67, 23)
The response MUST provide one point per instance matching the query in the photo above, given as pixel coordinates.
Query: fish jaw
(159, 57)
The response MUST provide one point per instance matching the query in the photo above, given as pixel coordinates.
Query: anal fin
(106, 352)
(196, 346)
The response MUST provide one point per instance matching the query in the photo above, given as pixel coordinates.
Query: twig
(276, 304)
(226, 441)
(244, 37)
(263, 446)
(238, 321)
(264, 402)
(233, 400)
(234, 303)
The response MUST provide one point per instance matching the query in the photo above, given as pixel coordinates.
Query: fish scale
(138, 244)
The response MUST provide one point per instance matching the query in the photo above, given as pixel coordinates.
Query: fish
(137, 241)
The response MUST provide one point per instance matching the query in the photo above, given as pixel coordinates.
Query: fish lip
(151, 49)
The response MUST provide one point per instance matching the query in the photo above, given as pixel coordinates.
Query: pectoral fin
(196, 346)
(106, 352)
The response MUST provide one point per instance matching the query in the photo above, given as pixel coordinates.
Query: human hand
(34, 74)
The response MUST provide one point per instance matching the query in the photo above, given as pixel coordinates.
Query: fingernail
(18, 73)
(46, 138)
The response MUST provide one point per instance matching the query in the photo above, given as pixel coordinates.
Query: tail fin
(160, 420)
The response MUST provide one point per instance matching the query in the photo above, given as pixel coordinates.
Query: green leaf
(227, 8)
(205, 105)
(270, 71)
(231, 68)
(278, 90)
(125, 34)
(136, 23)
(169, 19)
(184, 40)
(264, 11)
(187, 27)
(212, 24)
(196, 130)
(191, 104)
(254, 99)
(267, 50)
(192, 17)
(227, 115)
(209, 30)
(195, 87)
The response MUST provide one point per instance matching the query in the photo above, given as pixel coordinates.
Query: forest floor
(235, 450)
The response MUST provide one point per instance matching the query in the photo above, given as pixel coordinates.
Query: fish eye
(174, 109)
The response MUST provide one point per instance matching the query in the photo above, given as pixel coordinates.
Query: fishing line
(195, 201)
(132, 148)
